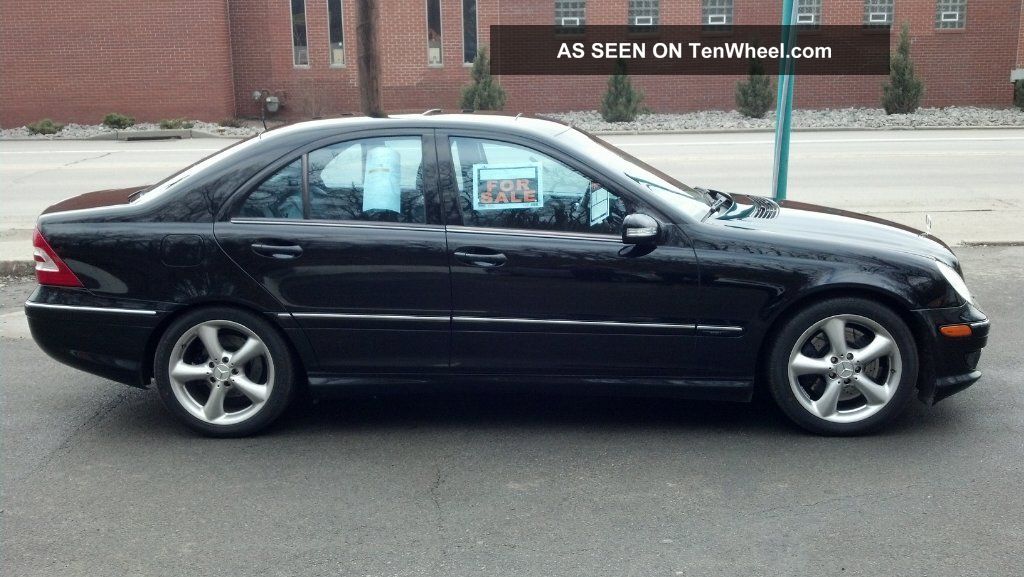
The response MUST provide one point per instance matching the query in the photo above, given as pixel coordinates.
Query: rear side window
(370, 179)
(279, 196)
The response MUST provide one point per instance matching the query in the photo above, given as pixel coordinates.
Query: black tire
(785, 340)
(282, 371)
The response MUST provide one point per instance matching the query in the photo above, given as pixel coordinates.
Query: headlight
(956, 281)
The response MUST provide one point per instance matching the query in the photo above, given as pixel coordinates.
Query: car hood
(95, 199)
(811, 221)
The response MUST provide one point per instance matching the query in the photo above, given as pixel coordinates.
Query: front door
(348, 237)
(541, 282)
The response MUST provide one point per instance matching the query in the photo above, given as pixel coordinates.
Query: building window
(469, 46)
(300, 49)
(808, 14)
(336, 33)
(716, 15)
(643, 13)
(878, 13)
(570, 15)
(951, 14)
(434, 33)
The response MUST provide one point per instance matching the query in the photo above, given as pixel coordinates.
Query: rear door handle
(277, 250)
(480, 257)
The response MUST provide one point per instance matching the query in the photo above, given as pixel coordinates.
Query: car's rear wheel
(843, 366)
(224, 372)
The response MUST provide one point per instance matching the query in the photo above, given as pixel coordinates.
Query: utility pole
(370, 96)
(784, 109)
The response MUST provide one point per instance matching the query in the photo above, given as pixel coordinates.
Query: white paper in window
(382, 183)
(600, 207)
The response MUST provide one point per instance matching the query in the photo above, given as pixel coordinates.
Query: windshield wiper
(721, 199)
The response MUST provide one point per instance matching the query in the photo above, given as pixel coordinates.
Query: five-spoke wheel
(226, 372)
(843, 366)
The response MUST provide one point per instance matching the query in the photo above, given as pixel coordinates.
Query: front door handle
(277, 250)
(481, 257)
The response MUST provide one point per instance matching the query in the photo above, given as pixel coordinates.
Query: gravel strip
(86, 131)
(591, 120)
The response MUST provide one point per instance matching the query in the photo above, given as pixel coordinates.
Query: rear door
(347, 234)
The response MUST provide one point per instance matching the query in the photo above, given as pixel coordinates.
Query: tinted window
(376, 179)
(279, 196)
(506, 185)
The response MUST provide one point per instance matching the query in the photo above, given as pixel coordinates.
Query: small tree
(755, 96)
(1018, 94)
(482, 93)
(902, 95)
(622, 102)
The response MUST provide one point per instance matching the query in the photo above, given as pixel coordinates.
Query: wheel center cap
(844, 369)
(221, 372)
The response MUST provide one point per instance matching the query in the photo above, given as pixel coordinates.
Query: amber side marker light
(955, 331)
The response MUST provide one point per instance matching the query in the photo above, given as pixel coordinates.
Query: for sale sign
(507, 186)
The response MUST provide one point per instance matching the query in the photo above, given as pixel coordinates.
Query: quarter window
(951, 14)
(434, 56)
(279, 196)
(716, 15)
(504, 185)
(336, 32)
(878, 13)
(300, 48)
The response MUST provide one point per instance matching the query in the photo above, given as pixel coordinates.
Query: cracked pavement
(97, 480)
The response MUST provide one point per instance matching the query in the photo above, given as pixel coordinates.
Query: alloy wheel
(845, 368)
(221, 372)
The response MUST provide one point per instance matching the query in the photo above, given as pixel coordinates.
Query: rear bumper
(950, 364)
(98, 338)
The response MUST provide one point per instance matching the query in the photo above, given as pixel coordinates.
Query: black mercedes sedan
(486, 251)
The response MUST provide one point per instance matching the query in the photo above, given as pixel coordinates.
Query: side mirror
(640, 228)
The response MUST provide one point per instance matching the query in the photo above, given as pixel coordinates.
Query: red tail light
(50, 269)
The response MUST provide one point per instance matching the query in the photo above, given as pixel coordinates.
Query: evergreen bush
(482, 93)
(755, 96)
(622, 102)
(902, 95)
(118, 121)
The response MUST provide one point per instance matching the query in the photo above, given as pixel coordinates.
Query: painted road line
(824, 141)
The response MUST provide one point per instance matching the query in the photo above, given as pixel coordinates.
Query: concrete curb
(807, 129)
(17, 267)
(133, 135)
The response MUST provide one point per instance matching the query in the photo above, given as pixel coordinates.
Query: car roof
(518, 123)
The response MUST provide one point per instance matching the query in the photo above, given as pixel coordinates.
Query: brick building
(75, 61)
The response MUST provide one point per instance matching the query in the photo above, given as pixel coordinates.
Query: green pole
(784, 107)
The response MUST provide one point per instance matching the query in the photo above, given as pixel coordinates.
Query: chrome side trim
(719, 329)
(90, 309)
(300, 222)
(367, 317)
(534, 233)
(688, 327)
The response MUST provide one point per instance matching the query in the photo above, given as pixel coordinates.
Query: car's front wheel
(843, 367)
(224, 372)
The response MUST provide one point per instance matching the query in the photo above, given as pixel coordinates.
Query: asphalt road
(97, 480)
(970, 181)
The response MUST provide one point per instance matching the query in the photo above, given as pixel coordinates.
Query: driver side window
(505, 185)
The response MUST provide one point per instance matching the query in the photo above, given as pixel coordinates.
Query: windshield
(187, 173)
(663, 186)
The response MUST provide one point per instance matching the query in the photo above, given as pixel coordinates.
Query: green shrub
(622, 102)
(175, 123)
(118, 121)
(230, 123)
(482, 93)
(1018, 94)
(902, 95)
(45, 126)
(755, 96)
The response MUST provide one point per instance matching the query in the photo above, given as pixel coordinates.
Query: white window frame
(330, 48)
(883, 20)
(567, 21)
(643, 21)
(440, 32)
(291, 18)
(805, 18)
(717, 20)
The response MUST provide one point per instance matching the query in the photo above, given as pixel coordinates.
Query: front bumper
(949, 365)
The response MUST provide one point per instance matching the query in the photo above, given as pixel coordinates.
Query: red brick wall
(77, 61)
